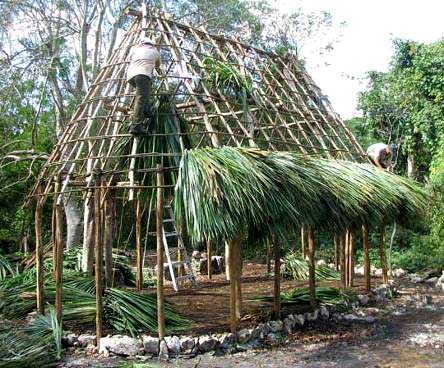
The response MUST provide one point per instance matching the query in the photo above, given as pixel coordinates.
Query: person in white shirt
(382, 154)
(144, 57)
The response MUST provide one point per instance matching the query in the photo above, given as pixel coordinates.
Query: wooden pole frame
(277, 276)
(366, 247)
(39, 252)
(139, 251)
(58, 252)
(382, 253)
(233, 294)
(238, 271)
(159, 238)
(209, 262)
(342, 241)
(98, 240)
(351, 258)
(311, 267)
(303, 246)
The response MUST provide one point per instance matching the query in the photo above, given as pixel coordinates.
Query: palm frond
(297, 268)
(226, 191)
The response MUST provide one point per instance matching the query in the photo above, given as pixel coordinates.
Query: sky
(366, 41)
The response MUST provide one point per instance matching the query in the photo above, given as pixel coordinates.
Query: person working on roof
(144, 57)
(382, 154)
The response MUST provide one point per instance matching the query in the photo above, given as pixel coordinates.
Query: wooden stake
(209, 263)
(159, 236)
(303, 247)
(58, 253)
(269, 255)
(382, 254)
(342, 239)
(277, 276)
(232, 278)
(139, 271)
(366, 257)
(98, 258)
(351, 256)
(39, 252)
(311, 267)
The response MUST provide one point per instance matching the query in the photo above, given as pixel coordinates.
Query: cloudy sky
(366, 42)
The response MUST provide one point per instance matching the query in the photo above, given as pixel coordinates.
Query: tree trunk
(88, 238)
(73, 222)
(311, 267)
(412, 171)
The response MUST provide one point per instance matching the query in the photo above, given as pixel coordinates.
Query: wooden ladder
(172, 233)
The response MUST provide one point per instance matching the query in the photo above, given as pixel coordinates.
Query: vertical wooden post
(383, 255)
(268, 257)
(39, 251)
(159, 236)
(303, 247)
(347, 257)
(227, 261)
(98, 240)
(58, 251)
(351, 255)
(277, 276)
(139, 271)
(108, 220)
(209, 263)
(238, 270)
(311, 267)
(337, 251)
(342, 240)
(366, 257)
(232, 278)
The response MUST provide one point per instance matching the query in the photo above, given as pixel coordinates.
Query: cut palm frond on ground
(35, 344)
(125, 311)
(224, 192)
(324, 295)
(5, 268)
(297, 268)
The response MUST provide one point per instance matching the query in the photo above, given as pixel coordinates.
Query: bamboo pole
(342, 239)
(366, 257)
(139, 271)
(98, 240)
(159, 236)
(39, 252)
(351, 258)
(209, 263)
(238, 271)
(227, 261)
(382, 254)
(277, 277)
(337, 251)
(347, 258)
(303, 247)
(108, 238)
(311, 267)
(58, 253)
(232, 278)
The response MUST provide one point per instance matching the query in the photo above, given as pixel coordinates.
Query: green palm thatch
(227, 191)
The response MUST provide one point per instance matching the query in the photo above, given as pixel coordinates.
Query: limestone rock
(207, 343)
(323, 311)
(187, 344)
(363, 299)
(321, 263)
(150, 344)
(227, 340)
(120, 345)
(300, 319)
(243, 336)
(163, 350)
(276, 326)
(272, 338)
(399, 272)
(85, 339)
(217, 265)
(70, 339)
(173, 344)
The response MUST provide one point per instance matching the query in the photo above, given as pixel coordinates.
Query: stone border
(263, 334)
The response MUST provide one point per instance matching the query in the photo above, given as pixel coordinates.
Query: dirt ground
(210, 299)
